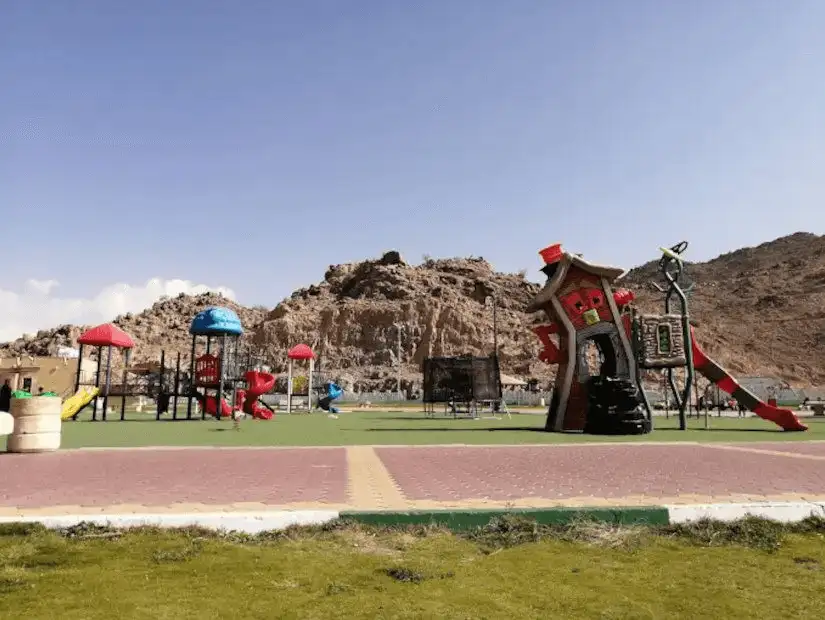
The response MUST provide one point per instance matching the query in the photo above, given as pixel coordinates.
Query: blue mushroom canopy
(216, 321)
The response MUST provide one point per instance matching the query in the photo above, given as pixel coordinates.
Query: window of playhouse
(663, 337)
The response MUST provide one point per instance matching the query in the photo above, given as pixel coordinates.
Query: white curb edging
(785, 512)
(256, 522)
(247, 522)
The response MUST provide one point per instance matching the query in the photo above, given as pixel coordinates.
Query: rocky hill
(761, 311)
(355, 316)
(165, 325)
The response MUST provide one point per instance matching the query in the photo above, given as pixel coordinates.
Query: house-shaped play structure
(582, 307)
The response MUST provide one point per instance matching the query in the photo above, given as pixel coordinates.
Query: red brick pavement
(448, 474)
(163, 477)
(507, 473)
(794, 447)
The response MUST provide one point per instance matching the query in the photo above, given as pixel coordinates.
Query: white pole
(289, 388)
(398, 376)
(309, 387)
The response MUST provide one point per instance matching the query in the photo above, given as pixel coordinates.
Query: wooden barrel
(37, 424)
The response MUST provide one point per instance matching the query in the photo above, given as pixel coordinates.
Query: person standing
(5, 396)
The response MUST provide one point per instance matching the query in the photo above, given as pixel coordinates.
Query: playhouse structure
(214, 370)
(109, 337)
(583, 308)
(299, 353)
(222, 379)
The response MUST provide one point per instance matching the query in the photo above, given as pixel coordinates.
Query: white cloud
(39, 307)
(43, 287)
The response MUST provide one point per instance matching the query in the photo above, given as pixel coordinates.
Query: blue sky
(251, 144)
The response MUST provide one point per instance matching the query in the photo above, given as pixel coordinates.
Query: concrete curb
(784, 512)
(248, 522)
(456, 520)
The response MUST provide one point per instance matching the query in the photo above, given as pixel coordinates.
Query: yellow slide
(75, 403)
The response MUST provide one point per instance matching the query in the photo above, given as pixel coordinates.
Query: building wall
(53, 374)
(17, 378)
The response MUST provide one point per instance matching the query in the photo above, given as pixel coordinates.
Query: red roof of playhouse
(106, 335)
(556, 254)
(300, 352)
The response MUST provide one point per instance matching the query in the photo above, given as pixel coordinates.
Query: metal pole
(123, 391)
(707, 420)
(191, 390)
(221, 370)
(79, 368)
(175, 388)
(108, 382)
(97, 383)
(160, 382)
(234, 370)
(398, 375)
(495, 326)
(309, 386)
(289, 388)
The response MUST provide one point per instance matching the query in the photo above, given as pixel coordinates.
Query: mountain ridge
(759, 312)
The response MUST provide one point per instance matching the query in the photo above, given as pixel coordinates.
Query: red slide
(226, 410)
(257, 383)
(718, 375)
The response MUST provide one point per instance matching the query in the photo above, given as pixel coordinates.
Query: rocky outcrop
(165, 325)
(759, 311)
(355, 317)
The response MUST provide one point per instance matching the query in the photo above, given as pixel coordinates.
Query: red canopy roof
(105, 335)
(300, 352)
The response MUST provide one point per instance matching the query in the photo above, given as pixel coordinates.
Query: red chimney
(552, 254)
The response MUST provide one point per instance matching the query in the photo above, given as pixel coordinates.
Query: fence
(515, 398)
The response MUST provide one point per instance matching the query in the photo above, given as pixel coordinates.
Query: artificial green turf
(356, 573)
(407, 428)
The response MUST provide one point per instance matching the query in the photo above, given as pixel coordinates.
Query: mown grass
(511, 568)
(404, 428)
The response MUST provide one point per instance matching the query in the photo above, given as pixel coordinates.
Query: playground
(598, 442)
(218, 437)
(225, 378)
(409, 427)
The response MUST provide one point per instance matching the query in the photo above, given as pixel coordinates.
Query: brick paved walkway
(393, 478)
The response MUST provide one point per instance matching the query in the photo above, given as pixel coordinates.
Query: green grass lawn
(385, 428)
(588, 571)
